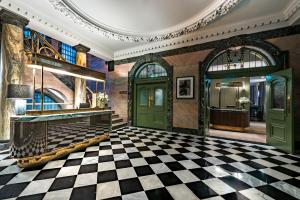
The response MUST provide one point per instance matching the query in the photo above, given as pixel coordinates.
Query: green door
(206, 106)
(151, 105)
(280, 133)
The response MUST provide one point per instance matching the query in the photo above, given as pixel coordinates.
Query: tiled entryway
(147, 164)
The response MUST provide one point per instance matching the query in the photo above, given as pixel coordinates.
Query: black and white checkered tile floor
(147, 164)
(61, 135)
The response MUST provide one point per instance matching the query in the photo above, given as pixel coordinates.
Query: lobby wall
(119, 88)
(185, 112)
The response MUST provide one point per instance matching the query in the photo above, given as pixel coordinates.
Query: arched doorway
(150, 94)
(150, 100)
(238, 84)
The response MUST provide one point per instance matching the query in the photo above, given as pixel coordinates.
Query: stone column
(12, 65)
(80, 84)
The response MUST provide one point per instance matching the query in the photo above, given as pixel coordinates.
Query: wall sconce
(19, 93)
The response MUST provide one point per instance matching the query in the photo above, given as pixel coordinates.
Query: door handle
(289, 104)
(149, 102)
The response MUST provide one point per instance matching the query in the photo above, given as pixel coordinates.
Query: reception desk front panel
(35, 135)
(229, 119)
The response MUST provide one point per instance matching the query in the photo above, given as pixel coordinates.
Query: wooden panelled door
(151, 105)
(206, 106)
(280, 131)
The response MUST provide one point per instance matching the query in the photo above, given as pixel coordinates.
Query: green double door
(151, 105)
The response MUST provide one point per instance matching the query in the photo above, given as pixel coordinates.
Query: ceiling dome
(144, 20)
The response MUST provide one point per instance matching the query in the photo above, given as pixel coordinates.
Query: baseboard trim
(185, 130)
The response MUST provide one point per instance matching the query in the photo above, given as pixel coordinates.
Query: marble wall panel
(119, 88)
(12, 67)
(185, 111)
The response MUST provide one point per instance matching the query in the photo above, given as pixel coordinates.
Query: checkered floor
(147, 164)
(60, 135)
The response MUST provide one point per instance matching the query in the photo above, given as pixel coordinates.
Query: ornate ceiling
(118, 29)
(86, 15)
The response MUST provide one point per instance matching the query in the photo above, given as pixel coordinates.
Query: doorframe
(147, 59)
(280, 58)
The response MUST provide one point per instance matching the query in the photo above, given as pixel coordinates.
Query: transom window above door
(240, 58)
(151, 70)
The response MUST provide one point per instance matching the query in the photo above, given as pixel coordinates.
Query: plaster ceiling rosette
(144, 20)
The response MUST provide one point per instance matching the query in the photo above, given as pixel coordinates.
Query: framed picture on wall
(185, 87)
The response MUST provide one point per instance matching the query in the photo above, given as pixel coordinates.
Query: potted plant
(244, 101)
(102, 100)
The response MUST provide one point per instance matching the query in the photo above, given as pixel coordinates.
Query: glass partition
(56, 91)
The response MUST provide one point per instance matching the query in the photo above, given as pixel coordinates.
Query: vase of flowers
(102, 100)
(244, 101)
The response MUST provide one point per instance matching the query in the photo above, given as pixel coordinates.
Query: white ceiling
(150, 18)
(131, 16)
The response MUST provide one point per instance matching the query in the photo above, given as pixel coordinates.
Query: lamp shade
(19, 91)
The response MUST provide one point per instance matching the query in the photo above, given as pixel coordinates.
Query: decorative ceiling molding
(39, 23)
(69, 10)
(278, 20)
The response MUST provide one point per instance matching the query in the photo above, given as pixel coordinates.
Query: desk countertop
(49, 117)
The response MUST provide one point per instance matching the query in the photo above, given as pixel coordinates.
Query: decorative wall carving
(281, 32)
(286, 17)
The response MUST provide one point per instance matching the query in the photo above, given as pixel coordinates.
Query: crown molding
(213, 12)
(292, 13)
(285, 18)
(278, 20)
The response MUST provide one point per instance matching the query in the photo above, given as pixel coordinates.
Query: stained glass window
(152, 70)
(68, 52)
(240, 58)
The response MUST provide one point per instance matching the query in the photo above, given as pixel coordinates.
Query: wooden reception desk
(229, 119)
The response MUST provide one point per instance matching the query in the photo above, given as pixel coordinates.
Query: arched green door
(150, 99)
